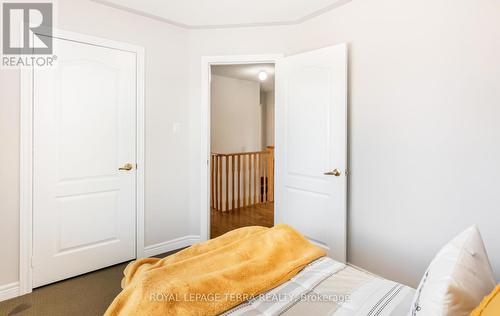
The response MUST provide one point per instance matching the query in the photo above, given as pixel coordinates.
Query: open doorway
(310, 170)
(242, 100)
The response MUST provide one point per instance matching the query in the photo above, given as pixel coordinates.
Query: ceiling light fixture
(262, 76)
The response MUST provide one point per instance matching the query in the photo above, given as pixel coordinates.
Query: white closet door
(311, 146)
(84, 131)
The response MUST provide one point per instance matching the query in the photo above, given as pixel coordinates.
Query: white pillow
(457, 279)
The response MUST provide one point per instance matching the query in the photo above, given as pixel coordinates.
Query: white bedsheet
(327, 287)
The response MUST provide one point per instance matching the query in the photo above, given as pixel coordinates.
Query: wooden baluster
(222, 192)
(264, 172)
(216, 205)
(232, 182)
(239, 181)
(229, 182)
(262, 179)
(219, 175)
(249, 180)
(211, 185)
(244, 180)
(270, 175)
(267, 176)
(266, 185)
(254, 166)
(254, 180)
(259, 184)
(257, 179)
(226, 160)
(215, 182)
(250, 185)
(211, 181)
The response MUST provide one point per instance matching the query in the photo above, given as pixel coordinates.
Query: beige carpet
(85, 295)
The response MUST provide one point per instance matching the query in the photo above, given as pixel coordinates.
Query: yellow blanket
(214, 276)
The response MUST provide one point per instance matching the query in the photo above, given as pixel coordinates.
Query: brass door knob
(334, 172)
(126, 167)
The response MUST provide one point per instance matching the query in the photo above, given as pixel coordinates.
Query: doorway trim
(26, 155)
(206, 63)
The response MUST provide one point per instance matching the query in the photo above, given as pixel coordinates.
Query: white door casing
(311, 140)
(206, 63)
(86, 121)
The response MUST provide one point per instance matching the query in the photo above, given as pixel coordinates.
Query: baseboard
(174, 244)
(9, 291)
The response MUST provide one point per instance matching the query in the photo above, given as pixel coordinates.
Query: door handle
(127, 167)
(334, 172)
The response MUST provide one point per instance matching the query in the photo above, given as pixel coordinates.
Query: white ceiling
(227, 13)
(247, 72)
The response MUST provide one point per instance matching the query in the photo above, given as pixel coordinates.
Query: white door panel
(84, 130)
(311, 140)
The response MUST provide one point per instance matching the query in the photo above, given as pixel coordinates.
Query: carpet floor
(85, 295)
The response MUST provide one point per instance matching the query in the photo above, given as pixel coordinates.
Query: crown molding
(303, 19)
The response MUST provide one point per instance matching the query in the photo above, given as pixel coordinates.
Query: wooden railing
(242, 179)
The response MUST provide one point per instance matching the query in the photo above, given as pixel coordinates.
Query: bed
(327, 287)
(276, 271)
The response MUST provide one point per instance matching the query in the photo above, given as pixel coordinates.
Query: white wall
(423, 121)
(9, 175)
(236, 118)
(269, 118)
(167, 195)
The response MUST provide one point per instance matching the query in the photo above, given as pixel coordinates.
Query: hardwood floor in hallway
(258, 215)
